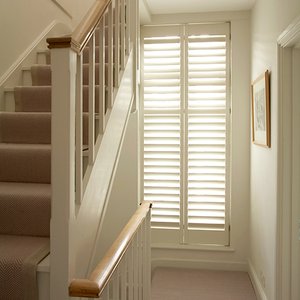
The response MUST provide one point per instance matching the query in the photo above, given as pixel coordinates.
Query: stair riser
(31, 128)
(25, 215)
(29, 165)
(41, 75)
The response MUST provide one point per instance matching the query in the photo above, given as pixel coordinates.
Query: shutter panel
(161, 73)
(207, 140)
(162, 168)
(186, 132)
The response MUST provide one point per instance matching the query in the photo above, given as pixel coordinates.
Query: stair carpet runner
(25, 181)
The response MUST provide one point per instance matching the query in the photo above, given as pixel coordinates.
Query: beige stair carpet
(190, 284)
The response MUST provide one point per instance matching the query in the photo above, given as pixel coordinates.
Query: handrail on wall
(81, 35)
(94, 286)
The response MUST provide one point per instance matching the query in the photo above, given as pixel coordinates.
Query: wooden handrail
(99, 278)
(79, 38)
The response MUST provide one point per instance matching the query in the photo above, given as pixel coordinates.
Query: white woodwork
(79, 130)
(92, 100)
(101, 76)
(287, 274)
(110, 43)
(63, 171)
(9, 99)
(26, 76)
(295, 254)
(116, 43)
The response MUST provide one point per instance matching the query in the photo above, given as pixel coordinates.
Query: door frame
(285, 289)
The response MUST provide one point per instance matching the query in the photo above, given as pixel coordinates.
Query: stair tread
(16, 146)
(18, 256)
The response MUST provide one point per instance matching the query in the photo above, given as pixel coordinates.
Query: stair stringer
(92, 210)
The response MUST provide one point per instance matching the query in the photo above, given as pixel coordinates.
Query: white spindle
(92, 99)
(130, 271)
(116, 285)
(105, 293)
(140, 260)
(123, 30)
(147, 258)
(101, 76)
(135, 268)
(117, 43)
(79, 131)
(110, 25)
(128, 27)
(123, 277)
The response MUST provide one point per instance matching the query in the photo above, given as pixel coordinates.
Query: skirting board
(259, 290)
(199, 264)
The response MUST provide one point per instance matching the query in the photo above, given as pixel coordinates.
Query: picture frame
(261, 110)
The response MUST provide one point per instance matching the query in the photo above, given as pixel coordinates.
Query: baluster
(123, 29)
(117, 44)
(101, 76)
(123, 274)
(147, 283)
(92, 99)
(105, 293)
(140, 261)
(135, 268)
(110, 56)
(130, 271)
(116, 285)
(128, 28)
(79, 130)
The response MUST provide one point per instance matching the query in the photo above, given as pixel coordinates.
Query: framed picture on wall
(261, 110)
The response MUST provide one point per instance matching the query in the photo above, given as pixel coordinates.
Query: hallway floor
(189, 284)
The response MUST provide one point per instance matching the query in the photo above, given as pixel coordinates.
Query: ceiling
(190, 6)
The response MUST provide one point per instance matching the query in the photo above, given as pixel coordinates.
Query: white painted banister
(84, 92)
(125, 266)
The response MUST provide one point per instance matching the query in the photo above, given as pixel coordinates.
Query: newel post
(63, 64)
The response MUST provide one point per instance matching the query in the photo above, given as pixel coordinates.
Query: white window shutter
(187, 132)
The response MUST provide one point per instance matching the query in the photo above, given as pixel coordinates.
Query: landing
(185, 284)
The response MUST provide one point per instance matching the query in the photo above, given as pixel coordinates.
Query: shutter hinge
(229, 227)
(230, 110)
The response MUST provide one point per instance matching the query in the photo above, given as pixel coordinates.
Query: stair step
(29, 128)
(38, 98)
(25, 163)
(25, 208)
(33, 99)
(19, 255)
(41, 74)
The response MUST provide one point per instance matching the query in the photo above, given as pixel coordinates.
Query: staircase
(26, 202)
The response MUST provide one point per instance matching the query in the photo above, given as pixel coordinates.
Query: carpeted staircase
(25, 181)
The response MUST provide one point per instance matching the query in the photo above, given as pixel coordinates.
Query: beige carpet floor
(187, 284)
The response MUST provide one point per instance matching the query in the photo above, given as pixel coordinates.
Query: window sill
(217, 248)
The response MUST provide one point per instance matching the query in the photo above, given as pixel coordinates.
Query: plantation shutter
(208, 133)
(186, 132)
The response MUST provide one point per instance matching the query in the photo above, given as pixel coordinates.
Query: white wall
(269, 19)
(21, 22)
(236, 257)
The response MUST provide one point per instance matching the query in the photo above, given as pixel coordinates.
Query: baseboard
(200, 264)
(259, 290)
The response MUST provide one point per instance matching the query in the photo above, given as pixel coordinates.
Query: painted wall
(233, 257)
(21, 23)
(269, 19)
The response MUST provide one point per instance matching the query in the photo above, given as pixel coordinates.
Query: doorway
(288, 251)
